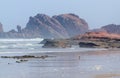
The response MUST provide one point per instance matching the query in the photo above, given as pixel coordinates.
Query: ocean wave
(20, 43)
(21, 40)
(3, 46)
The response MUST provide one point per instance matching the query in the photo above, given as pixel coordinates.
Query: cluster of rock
(100, 40)
(41, 25)
(88, 40)
(25, 58)
(58, 26)
(66, 30)
(56, 43)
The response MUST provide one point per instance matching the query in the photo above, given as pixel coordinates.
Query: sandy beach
(89, 64)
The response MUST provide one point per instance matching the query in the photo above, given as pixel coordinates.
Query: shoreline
(55, 54)
(91, 51)
(90, 64)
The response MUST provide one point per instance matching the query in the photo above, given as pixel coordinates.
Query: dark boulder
(88, 44)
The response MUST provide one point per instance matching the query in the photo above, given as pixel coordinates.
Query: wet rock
(56, 43)
(98, 40)
(88, 44)
(18, 57)
(26, 57)
(21, 61)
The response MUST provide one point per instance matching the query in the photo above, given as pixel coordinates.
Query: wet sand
(89, 64)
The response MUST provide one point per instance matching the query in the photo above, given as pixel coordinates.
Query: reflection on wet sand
(110, 75)
(91, 64)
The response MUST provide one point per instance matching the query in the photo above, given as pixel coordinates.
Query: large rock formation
(112, 28)
(100, 35)
(46, 27)
(72, 24)
(61, 26)
(99, 40)
(41, 25)
(87, 40)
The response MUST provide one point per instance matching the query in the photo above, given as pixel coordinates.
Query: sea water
(32, 46)
(71, 62)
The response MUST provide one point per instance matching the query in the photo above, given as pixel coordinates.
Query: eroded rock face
(61, 26)
(45, 26)
(41, 25)
(87, 40)
(97, 35)
(99, 40)
(72, 24)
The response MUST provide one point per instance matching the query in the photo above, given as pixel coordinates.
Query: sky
(97, 13)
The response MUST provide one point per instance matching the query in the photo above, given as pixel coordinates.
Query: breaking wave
(8, 46)
(21, 40)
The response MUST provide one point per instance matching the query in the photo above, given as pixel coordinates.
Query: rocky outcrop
(99, 40)
(97, 35)
(56, 43)
(61, 26)
(112, 28)
(1, 28)
(19, 29)
(87, 40)
(41, 25)
(88, 44)
(100, 44)
(72, 24)
(46, 27)
(97, 30)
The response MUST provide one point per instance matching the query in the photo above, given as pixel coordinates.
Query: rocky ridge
(56, 27)
(41, 25)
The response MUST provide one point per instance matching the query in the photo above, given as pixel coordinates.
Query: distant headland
(56, 27)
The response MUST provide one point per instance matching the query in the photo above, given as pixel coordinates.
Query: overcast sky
(96, 12)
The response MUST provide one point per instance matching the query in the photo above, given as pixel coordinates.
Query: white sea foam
(32, 46)
(3, 46)
(21, 40)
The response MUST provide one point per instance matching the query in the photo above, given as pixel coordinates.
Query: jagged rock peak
(1, 27)
(19, 29)
(59, 26)
(42, 17)
(68, 15)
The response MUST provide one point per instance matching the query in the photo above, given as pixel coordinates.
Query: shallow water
(63, 63)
